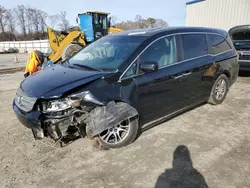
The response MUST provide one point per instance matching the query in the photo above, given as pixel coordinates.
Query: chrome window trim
(178, 62)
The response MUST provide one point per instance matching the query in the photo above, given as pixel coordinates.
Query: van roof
(171, 30)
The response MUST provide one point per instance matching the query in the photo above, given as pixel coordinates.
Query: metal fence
(26, 46)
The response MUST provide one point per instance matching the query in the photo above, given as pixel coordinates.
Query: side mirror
(149, 66)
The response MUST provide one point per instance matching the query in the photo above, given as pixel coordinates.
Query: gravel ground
(217, 138)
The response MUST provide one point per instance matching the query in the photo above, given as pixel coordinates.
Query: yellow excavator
(63, 44)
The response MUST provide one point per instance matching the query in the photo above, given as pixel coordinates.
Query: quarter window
(162, 51)
(131, 71)
(218, 44)
(194, 45)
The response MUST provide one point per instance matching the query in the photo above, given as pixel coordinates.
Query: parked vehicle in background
(125, 82)
(241, 40)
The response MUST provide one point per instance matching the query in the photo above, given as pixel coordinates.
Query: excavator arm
(59, 43)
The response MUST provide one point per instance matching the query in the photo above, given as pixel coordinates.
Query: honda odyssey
(127, 81)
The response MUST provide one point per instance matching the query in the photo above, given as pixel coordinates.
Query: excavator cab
(94, 25)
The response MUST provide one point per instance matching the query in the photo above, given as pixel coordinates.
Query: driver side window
(162, 51)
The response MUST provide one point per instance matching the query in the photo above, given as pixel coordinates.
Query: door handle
(186, 74)
(178, 77)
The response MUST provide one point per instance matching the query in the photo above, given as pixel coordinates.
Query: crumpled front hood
(56, 80)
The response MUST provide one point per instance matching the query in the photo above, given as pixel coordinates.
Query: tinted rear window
(218, 44)
(194, 45)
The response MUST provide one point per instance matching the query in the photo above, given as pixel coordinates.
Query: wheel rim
(220, 89)
(116, 134)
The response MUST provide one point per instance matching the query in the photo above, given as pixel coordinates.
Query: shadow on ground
(182, 175)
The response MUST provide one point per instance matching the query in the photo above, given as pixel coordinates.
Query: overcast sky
(172, 11)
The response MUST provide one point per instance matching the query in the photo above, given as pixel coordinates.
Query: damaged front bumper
(60, 128)
(85, 119)
(30, 120)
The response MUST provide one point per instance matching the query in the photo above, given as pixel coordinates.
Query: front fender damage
(105, 117)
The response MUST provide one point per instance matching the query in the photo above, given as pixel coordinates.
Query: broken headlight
(73, 100)
(54, 106)
(59, 105)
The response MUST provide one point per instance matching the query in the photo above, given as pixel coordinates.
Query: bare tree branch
(114, 20)
(30, 14)
(42, 18)
(160, 23)
(63, 21)
(20, 12)
(2, 15)
(10, 21)
(53, 20)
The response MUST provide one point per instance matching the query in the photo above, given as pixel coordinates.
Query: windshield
(107, 53)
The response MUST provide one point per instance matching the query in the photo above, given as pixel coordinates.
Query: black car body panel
(56, 80)
(185, 82)
(30, 120)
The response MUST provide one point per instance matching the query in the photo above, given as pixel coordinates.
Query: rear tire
(71, 50)
(219, 90)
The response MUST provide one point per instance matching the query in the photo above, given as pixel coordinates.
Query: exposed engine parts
(66, 127)
(79, 115)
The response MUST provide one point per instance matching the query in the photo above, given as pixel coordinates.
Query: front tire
(219, 90)
(120, 135)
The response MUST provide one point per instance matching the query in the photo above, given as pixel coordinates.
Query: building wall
(223, 14)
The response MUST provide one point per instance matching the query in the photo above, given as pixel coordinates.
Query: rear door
(196, 60)
(221, 54)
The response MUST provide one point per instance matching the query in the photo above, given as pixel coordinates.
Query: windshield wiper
(87, 67)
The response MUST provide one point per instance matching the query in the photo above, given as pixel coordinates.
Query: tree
(114, 20)
(138, 17)
(2, 15)
(42, 18)
(160, 23)
(140, 21)
(53, 20)
(10, 21)
(20, 12)
(29, 14)
(39, 20)
(151, 21)
(63, 21)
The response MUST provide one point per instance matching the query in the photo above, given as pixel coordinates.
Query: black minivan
(126, 82)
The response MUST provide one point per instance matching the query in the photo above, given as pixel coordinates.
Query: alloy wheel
(116, 134)
(220, 89)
